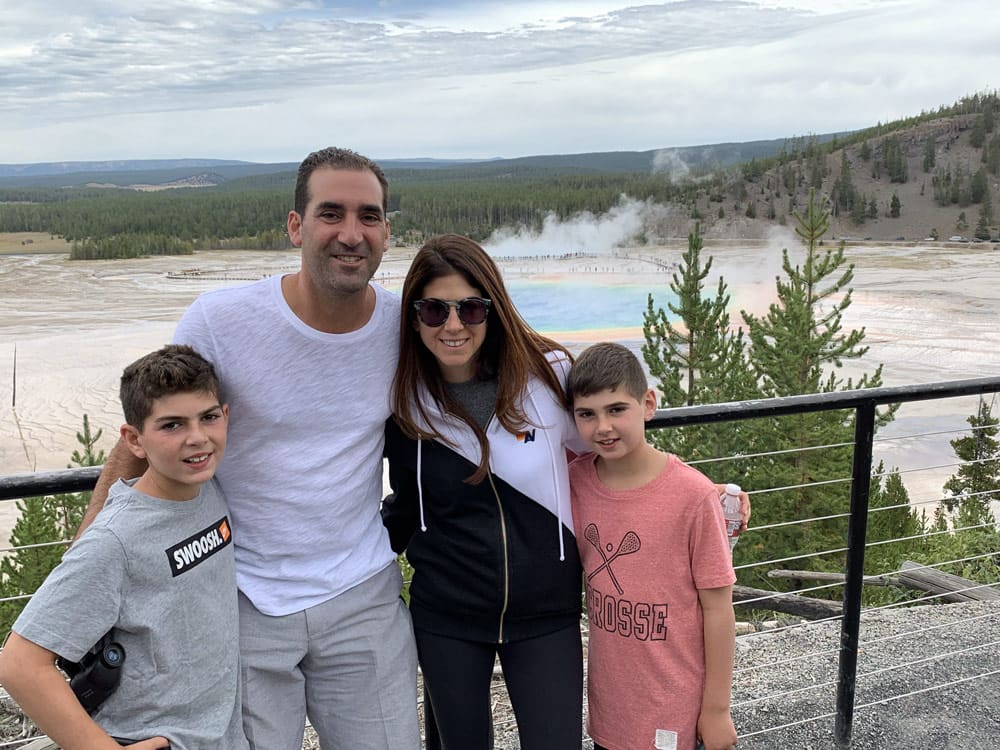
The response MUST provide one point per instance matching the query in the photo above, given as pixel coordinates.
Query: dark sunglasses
(434, 312)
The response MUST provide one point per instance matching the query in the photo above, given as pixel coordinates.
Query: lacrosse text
(640, 620)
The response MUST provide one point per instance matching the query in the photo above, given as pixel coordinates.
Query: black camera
(97, 674)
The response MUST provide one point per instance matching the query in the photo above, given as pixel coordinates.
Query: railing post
(857, 528)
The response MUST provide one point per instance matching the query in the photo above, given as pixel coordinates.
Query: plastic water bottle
(731, 512)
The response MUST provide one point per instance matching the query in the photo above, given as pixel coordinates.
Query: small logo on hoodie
(199, 547)
(526, 437)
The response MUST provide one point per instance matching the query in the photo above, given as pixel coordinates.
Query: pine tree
(977, 135)
(929, 154)
(983, 225)
(942, 186)
(42, 521)
(895, 159)
(991, 155)
(843, 189)
(859, 211)
(895, 207)
(698, 359)
(798, 330)
(817, 168)
(972, 536)
(890, 517)
(68, 509)
(23, 570)
(977, 481)
(795, 349)
(979, 185)
(958, 188)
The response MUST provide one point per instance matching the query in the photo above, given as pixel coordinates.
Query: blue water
(579, 305)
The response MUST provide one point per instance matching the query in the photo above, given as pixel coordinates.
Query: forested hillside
(928, 176)
(931, 175)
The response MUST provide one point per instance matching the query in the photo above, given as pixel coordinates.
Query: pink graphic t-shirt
(645, 554)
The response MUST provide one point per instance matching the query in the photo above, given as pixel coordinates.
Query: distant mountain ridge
(129, 172)
(117, 165)
(935, 174)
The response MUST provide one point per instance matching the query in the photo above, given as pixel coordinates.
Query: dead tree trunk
(792, 604)
(951, 588)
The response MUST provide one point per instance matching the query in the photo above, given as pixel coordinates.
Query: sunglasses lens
(472, 311)
(432, 312)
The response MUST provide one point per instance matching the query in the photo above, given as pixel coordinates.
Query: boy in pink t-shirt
(657, 568)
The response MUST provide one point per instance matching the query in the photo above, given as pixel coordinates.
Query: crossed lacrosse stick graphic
(630, 543)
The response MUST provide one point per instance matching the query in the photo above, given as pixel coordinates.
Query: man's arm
(715, 723)
(121, 464)
(400, 509)
(29, 674)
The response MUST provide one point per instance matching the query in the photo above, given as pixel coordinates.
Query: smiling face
(183, 439)
(613, 422)
(343, 231)
(454, 345)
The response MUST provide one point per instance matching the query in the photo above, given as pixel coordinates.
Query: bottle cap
(732, 489)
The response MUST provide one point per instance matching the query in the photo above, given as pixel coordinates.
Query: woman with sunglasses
(477, 463)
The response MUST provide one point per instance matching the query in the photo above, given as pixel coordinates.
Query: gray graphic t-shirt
(160, 572)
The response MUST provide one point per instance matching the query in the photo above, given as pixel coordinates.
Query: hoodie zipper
(506, 558)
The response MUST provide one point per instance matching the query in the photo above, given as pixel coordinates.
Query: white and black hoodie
(494, 561)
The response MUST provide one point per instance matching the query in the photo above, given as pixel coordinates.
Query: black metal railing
(863, 402)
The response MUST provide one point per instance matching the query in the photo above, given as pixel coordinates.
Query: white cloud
(271, 80)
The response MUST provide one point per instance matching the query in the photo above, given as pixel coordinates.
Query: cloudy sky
(271, 80)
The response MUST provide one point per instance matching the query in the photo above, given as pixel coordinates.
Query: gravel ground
(945, 659)
(903, 651)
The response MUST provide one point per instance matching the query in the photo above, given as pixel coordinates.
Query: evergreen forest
(939, 163)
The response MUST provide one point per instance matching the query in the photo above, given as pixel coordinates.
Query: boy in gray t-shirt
(157, 566)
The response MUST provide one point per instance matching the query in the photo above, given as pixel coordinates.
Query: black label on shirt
(199, 547)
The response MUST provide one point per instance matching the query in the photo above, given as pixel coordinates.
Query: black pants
(601, 747)
(544, 678)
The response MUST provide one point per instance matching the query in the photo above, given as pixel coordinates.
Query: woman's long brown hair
(512, 351)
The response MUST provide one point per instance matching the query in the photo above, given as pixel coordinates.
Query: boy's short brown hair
(176, 368)
(606, 367)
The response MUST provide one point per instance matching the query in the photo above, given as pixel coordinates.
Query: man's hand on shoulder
(120, 464)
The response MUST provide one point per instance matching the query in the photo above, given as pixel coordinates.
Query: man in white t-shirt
(306, 363)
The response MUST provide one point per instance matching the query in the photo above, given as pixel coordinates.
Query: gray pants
(349, 664)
